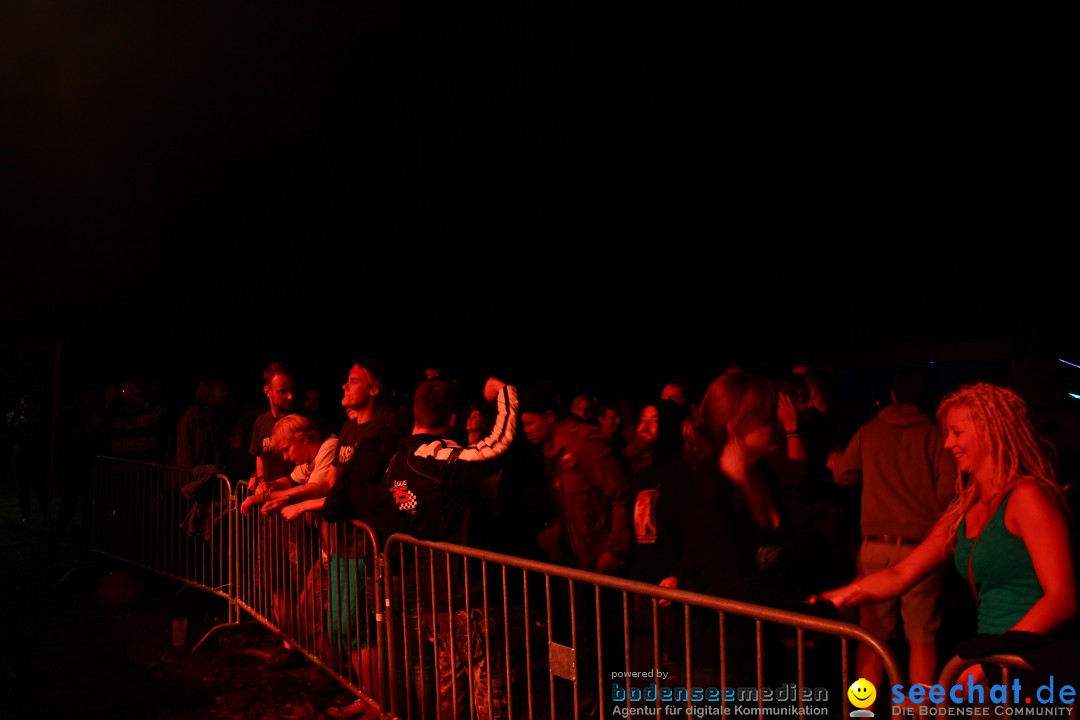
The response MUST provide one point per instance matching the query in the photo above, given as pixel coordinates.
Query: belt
(890, 540)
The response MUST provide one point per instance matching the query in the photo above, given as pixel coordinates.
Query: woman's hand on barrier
(668, 582)
(842, 597)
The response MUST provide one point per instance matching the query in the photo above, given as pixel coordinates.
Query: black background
(600, 190)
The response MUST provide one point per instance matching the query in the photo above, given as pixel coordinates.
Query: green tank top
(1001, 567)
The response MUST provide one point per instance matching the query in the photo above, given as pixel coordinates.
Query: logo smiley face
(862, 693)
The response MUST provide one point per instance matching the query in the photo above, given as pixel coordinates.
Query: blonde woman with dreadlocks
(1007, 529)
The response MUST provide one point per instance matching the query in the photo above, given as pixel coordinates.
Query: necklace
(992, 498)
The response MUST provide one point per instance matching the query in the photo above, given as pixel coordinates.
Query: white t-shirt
(314, 472)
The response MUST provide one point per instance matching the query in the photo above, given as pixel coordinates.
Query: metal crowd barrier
(1008, 665)
(315, 583)
(178, 523)
(433, 630)
(472, 633)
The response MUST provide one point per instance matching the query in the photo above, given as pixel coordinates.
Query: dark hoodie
(908, 478)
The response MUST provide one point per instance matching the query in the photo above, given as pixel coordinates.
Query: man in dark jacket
(431, 481)
(590, 489)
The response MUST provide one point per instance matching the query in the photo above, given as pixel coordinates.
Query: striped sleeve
(494, 445)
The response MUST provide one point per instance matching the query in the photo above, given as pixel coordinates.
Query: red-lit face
(220, 395)
(582, 408)
(537, 426)
(962, 440)
(648, 423)
(280, 394)
(673, 392)
(299, 452)
(360, 389)
(610, 422)
(759, 441)
(475, 421)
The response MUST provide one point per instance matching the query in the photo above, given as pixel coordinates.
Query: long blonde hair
(1004, 428)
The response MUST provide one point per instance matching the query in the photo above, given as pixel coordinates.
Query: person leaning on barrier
(366, 442)
(272, 472)
(299, 440)
(271, 467)
(1006, 531)
(431, 480)
(279, 385)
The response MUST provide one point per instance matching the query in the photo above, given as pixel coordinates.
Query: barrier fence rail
(315, 583)
(175, 522)
(1010, 666)
(432, 630)
(473, 633)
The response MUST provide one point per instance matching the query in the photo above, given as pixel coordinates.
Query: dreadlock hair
(735, 403)
(1001, 420)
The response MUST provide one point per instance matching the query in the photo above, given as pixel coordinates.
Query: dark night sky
(193, 185)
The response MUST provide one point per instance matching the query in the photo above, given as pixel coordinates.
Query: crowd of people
(761, 488)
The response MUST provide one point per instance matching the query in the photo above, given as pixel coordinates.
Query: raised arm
(498, 440)
(789, 418)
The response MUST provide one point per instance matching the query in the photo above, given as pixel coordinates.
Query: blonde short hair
(291, 428)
